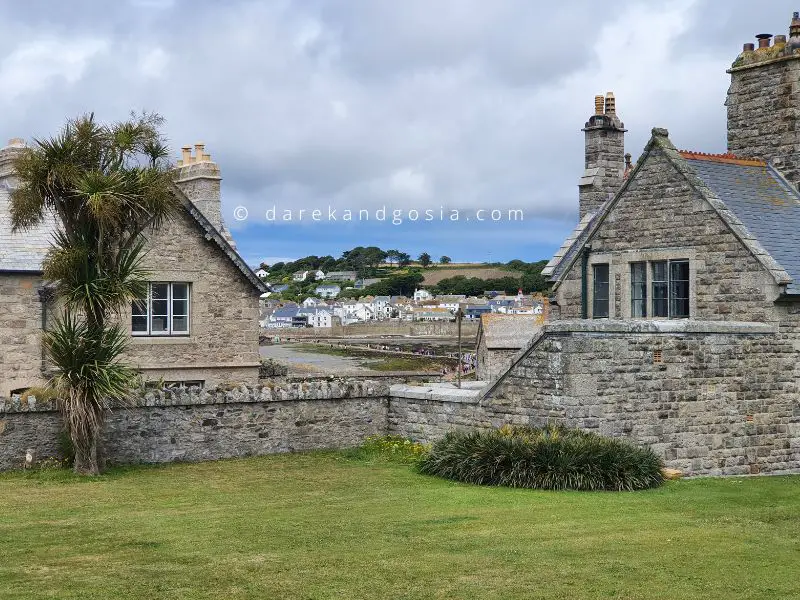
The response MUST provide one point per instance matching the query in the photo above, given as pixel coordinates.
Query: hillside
(435, 275)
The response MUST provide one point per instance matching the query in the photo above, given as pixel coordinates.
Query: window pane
(600, 306)
(180, 324)
(159, 308)
(180, 291)
(159, 291)
(158, 324)
(638, 290)
(139, 316)
(660, 289)
(180, 308)
(139, 324)
(679, 289)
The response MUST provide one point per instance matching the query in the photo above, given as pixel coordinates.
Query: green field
(326, 526)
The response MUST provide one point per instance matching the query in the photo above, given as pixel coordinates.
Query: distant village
(323, 308)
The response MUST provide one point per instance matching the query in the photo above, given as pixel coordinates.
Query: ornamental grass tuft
(550, 458)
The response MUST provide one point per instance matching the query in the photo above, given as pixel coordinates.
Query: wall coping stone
(283, 392)
(469, 393)
(666, 326)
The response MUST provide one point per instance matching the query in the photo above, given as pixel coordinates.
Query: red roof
(722, 158)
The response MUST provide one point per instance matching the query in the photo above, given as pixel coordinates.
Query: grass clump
(393, 448)
(551, 458)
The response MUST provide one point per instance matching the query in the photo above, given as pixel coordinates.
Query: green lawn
(325, 526)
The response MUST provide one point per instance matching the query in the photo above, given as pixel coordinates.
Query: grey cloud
(459, 103)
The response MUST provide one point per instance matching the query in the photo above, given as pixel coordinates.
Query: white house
(282, 317)
(262, 274)
(317, 317)
(353, 312)
(451, 303)
(327, 291)
(382, 307)
(303, 275)
(312, 302)
(421, 295)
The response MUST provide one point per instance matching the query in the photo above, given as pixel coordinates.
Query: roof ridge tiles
(726, 157)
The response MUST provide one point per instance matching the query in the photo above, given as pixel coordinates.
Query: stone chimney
(605, 155)
(198, 177)
(7, 155)
(764, 101)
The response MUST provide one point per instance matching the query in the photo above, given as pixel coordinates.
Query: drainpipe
(584, 283)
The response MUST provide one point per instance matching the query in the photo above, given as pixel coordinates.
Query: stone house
(675, 317)
(199, 323)
(685, 234)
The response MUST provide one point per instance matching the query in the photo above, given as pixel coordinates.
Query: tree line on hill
(402, 278)
(365, 261)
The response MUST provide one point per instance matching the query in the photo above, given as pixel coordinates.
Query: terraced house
(199, 323)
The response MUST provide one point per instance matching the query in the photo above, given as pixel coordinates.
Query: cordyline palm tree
(107, 185)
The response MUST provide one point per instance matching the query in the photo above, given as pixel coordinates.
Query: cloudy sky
(367, 104)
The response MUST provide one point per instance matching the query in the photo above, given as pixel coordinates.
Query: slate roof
(24, 251)
(568, 247)
(764, 202)
(752, 198)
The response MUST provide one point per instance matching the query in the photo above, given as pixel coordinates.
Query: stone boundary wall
(193, 425)
(711, 398)
(715, 398)
(469, 329)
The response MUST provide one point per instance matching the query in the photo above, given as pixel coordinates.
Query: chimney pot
(186, 155)
(598, 105)
(794, 31)
(779, 40)
(749, 47)
(611, 104)
(763, 40)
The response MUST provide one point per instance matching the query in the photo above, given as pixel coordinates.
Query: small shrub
(552, 458)
(390, 447)
(41, 394)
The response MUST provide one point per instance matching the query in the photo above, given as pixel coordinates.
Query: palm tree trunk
(84, 421)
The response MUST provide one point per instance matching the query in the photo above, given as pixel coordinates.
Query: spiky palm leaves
(106, 186)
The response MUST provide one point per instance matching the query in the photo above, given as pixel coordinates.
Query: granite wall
(710, 398)
(193, 425)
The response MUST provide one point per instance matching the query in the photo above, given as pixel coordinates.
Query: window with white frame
(165, 310)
